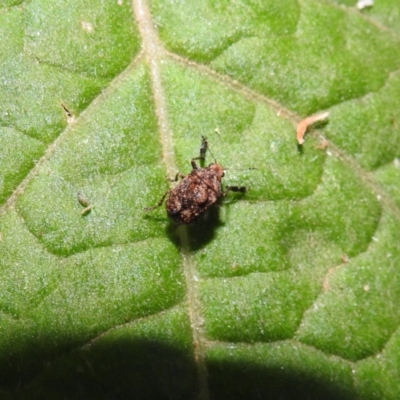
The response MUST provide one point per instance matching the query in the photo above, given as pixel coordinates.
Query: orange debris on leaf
(303, 125)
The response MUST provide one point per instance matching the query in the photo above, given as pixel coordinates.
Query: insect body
(197, 191)
(195, 194)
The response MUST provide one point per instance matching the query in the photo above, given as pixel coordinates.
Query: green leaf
(291, 290)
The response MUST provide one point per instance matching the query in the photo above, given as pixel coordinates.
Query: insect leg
(203, 148)
(203, 151)
(178, 175)
(194, 165)
(159, 203)
(240, 189)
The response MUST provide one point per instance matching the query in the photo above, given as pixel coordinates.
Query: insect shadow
(198, 234)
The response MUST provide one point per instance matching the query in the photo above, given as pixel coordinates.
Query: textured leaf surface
(289, 291)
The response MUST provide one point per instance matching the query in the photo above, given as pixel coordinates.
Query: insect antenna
(240, 169)
(212, 155)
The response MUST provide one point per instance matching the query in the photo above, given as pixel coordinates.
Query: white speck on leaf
(361, 4)
(87, 26)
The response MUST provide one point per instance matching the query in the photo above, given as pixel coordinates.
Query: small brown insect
(85, 203)
(197, 191)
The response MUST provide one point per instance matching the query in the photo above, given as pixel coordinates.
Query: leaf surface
(292, 289)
